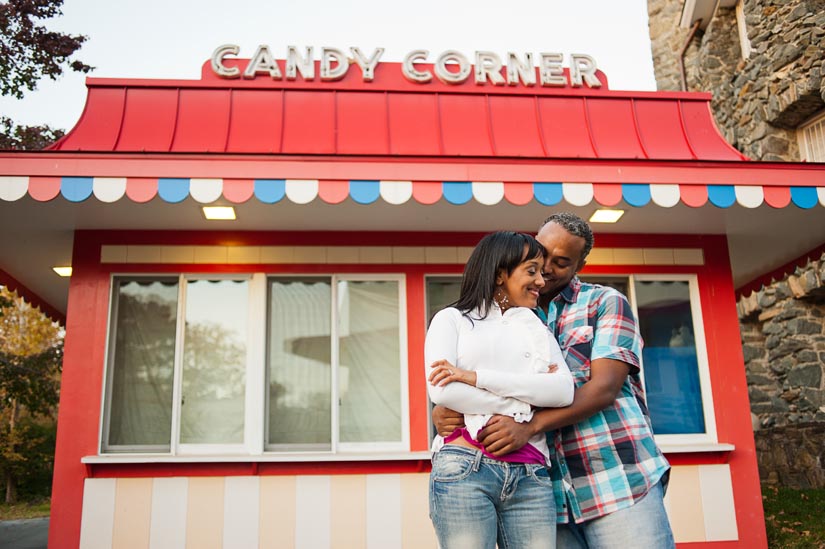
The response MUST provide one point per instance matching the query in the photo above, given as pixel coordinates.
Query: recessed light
(219, 212)
(63, 271)
(605, 215)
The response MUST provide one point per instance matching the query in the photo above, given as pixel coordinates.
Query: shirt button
(505, 322)
(526, 355)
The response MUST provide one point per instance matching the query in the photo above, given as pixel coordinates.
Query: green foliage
(31, 351)
(794, 518)
(28, 51)
(25, 510)
(26, 138)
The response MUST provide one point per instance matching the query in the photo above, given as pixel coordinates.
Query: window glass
(300, 362)
(370, 361)
(441, 291)
(214, 362)
(143, 363)
(671, 368)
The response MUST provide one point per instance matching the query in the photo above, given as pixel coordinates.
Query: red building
(259, 381)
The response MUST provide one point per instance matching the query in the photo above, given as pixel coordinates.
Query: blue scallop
(270, 191)
(76, 189)
(173, 189)
(364, 192)
(804, 197)
(548, 194)
(636, 194)
(722, 196)
(458, 192)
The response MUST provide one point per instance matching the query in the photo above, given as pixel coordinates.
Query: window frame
(710, 435)
(806, 148)
(256, 380)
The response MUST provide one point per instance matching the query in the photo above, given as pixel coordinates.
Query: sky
(172, 38)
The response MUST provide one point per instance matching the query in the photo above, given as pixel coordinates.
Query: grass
(25, 510)
(794, 519)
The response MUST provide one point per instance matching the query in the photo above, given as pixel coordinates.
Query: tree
(31, 352)
(28, 51)
(26, 138)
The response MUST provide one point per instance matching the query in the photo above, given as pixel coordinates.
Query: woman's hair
(502, 250)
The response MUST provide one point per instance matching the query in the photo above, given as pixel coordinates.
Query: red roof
(393, 117)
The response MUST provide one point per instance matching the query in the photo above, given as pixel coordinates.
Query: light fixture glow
(63, 271)
(605, 215)
(219, 212)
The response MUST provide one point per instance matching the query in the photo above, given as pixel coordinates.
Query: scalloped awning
(270, 191)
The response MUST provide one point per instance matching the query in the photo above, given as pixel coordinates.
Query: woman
(490, 354)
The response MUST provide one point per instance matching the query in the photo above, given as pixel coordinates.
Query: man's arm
(503, 435)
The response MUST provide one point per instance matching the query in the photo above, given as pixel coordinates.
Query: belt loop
(477, 462)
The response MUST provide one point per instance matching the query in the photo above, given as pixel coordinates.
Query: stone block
(774, 328)
(781, 366)
(757, 379)
(806, 355)
(751, 352)
(805, 375)
(767, 299)
(757, 395)
(801, 326)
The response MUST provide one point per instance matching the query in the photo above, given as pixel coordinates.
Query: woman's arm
(441, 343)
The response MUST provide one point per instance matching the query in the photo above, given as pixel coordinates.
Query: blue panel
(270, 191)
(674, 396)
(721, 196)
(364, 192)
(76, 189)
(458, 192)
(804, 197)
(173, 190)
(636, 194)
(548, 194)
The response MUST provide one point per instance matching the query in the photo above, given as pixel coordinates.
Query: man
(608, 474)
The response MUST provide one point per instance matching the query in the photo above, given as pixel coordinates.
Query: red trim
(416, 169)
(698, 458)
(416, 331)
(256, 468)
(31, 298)
(780, 273)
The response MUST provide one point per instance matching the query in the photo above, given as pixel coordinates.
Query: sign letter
(552, 74)
(262, 62)
(367, 65)
(452, 57)
(328, 72)
(409, 70)
(217, 61)
(295, 64)
(517, 70)
(582, 65)
(488, 64)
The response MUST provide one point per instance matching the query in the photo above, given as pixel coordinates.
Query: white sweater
(510, 354)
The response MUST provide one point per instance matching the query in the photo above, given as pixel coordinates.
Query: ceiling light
(63, 271)
(605, 215)
(219, 212)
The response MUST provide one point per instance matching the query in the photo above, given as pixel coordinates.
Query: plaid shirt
(608, 461)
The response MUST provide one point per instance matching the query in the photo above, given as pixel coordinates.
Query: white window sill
(281, 457)
(696, 448)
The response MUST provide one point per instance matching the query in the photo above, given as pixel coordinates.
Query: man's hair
(574, 225)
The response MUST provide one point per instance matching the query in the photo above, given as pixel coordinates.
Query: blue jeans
(643, 524)
(476, 501)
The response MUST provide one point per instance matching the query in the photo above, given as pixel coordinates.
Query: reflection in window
(671, 368)
(299, 362)
(214, 362)
(143, 363)
(356, 365)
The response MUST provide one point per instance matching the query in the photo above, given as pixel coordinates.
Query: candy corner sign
(450, 67)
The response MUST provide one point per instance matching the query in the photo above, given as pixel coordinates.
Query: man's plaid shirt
(609, 460)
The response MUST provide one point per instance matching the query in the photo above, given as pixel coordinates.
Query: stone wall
(792, 456)
(758, 102)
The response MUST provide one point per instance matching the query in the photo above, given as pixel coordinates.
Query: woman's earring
(501, 299)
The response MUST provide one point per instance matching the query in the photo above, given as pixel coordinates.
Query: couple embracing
(544, 436)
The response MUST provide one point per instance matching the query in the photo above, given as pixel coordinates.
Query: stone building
(763, 61)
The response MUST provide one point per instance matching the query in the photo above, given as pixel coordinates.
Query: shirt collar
(571, 292)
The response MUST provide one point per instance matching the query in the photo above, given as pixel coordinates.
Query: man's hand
(502, 435)
(446, 421)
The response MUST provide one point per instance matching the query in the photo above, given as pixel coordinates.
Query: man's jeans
(643, 524)
(477, 501)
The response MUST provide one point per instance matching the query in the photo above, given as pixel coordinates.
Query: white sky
(172, 38)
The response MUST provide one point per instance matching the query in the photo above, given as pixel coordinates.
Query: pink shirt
(526, 454)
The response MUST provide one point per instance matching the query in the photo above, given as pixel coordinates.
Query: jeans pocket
(450, 466)
(541, 475)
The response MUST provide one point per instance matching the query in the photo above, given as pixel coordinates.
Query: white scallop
(301, 191)
(577, 194)
(749, 196)
(205, 190)
(13, 187)
(395, 192)
(488, 192)
(109, 189)
(820, 192)
(665, 196)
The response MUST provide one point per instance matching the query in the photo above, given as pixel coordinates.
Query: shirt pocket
(577, 344)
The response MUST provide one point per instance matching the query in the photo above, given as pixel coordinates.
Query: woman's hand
(444, 373)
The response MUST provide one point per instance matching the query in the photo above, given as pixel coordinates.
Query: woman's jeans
(476, 501)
